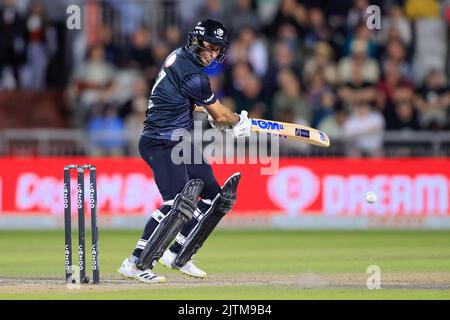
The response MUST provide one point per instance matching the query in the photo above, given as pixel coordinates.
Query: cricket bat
(291, 131)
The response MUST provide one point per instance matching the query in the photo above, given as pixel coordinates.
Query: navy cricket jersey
(180, 84)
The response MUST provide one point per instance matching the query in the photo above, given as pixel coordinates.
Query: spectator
(433, 101)
(256, 49)
(358, 59)
(392, 79)
(211, 9)
(357, 89)
(361, 34)
(283, 57)
(357, 14)
(364, 131)
(41, 45)
(238, 52)
(404, 118)
(405, 114)
(324, 108)
(289, 99)
(288, 34)
(336, 15)
(292, 13)
(333, 124)
(318, 30)
(237, 78)
(112, 51)
(131, 15)
(92, 83)
(396, 52)
(266, 11)
(12, 45)
(322, 59)
(400, 93)
(160, 52)
(140, 55)
(315, 93)
(251, 98)
(242, 16)
(106, 131)
(396, 20)
(188, 11)
(140, 92)
(173, 37)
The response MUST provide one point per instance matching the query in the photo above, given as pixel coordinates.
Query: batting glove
(242, 128)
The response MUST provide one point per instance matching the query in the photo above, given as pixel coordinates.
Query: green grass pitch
(258, 264)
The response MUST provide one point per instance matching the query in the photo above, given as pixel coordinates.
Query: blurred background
(379, 94)
(375, 92)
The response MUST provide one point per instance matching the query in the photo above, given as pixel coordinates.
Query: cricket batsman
(193, 201)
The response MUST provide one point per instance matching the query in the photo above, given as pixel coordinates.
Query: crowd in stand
(310, 62)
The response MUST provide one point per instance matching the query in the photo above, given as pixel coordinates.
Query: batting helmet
(212, 32)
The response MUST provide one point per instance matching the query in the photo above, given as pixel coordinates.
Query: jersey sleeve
(197, 88)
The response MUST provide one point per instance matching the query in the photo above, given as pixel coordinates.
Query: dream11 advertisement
(310, 187)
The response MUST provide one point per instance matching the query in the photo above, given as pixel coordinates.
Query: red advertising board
(326, 187)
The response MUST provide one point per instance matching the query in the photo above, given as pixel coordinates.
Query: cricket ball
(371, 197)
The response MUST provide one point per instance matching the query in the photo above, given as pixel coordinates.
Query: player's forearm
(221, 114)
(228, 118)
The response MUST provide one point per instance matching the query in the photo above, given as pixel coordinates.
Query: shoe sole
(164, 280)
(124, 275)
(186, 274)
(191, 276)
(131, 277)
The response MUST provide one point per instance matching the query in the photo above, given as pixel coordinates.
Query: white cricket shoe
(167, 258)
(129, 270)
(189, 268)
(147, 276)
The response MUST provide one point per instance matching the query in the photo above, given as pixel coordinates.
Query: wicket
(81, 223)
